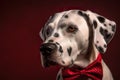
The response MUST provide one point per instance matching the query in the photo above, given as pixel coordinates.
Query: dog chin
(48, 63)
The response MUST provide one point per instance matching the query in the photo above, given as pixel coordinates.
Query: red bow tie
(92, 71)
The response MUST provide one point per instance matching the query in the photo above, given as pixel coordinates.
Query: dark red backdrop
(20, 23)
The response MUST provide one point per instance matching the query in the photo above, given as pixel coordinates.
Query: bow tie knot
(93, 71)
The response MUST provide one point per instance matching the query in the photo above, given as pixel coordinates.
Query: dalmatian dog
(75, 40)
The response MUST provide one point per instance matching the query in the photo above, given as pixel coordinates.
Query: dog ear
(45, 30)
(42, 32)
(104, 30)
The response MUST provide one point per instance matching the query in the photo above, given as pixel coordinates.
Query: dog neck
(84, 60)
(93, 71)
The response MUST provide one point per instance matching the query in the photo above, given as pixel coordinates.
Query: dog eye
(71, 29)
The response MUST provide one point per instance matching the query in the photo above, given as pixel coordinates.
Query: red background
(20, 23)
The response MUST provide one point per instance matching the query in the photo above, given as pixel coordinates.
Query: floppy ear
(104, 30)
(42, 32)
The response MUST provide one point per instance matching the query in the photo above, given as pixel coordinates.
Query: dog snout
(48, 48)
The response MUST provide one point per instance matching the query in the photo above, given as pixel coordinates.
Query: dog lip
(52, 63)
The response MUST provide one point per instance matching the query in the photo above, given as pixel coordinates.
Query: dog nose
(48, 48)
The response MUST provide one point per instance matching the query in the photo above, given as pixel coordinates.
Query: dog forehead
(54, 19)
(66, 17)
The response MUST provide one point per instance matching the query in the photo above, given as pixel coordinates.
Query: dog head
(68, 35)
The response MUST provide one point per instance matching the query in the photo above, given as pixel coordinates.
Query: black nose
(48, 48)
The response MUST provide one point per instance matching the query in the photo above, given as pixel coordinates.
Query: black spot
(62, 25)
(105, 25)
(113, 28)
(100, 49)
(66, 16)
(110, 24)
(95, 45)
(58, 78)
(50, 40)
(97, 41)
(101, 19)
(103, 31)
(72, 62)
(60, 49)
(107, 36)
(49, 30)
(80, 13)
(69, 50)
(95, 24)
(56, 35)
(105, 46)
(63, 62)
(57, 43)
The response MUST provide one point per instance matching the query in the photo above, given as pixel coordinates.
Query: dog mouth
(49, 63)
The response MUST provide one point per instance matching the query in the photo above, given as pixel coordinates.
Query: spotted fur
(78, 36)
(103, 32)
